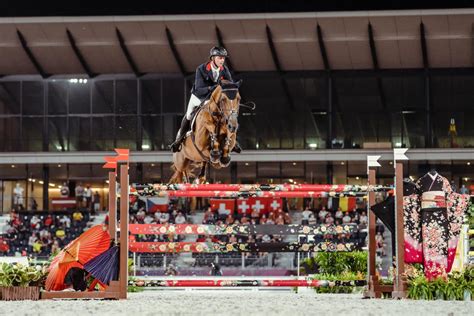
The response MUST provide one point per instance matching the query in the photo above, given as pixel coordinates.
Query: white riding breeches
(193, 103)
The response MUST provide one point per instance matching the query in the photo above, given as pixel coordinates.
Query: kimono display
(433, 215)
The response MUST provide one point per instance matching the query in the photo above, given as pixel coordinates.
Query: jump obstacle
(118, 289)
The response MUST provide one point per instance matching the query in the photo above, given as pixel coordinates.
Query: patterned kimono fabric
(412, 223)
(434, 190)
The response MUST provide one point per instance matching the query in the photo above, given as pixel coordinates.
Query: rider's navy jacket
(204, 82)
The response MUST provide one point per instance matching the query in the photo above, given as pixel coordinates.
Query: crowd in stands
(41, 233)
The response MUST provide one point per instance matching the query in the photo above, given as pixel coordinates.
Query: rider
(208, 77)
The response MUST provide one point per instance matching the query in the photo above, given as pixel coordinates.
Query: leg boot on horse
(176, 146)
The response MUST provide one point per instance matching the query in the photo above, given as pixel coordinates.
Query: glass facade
(344, 110)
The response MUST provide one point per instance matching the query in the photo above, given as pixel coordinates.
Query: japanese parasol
(78, 252)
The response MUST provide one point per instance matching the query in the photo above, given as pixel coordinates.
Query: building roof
(145, 44)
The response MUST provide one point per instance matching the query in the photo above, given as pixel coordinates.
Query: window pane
(79, 133)
(151, 96)
(152, 133)
(57, 97)
(126, 131)
(33, 97)
(126, 99)
(10, 98)
(102, 133)
(58, 133)
(103, 96)
(79, 96)
(173, 95)
(10, 131)
(32, 134)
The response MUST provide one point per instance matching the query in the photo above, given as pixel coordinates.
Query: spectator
(280, 220)
(141, 215)
(339, 214)
(312, 220)
(77, 216)
(37, 245)
(79, 191)
(322, 214)
(48, 221)
(329, 220)
(55, 247)
(164, 218)
(229, 219)
(306, 213)
(60, 233)
(64, 190)
(96, 202)
(363, 220)
(171, 270)
(346, 219)
(65, 221)
(88, 197)
(180, 219)
(35, 222)
(209, 217)
(263, 219)
(148, 219)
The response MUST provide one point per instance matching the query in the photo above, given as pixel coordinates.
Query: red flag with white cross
(223, 206)
(259, 204)
(275, 204)
(243, 207)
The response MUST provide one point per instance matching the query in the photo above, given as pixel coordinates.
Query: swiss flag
(223, 206)
(259, 204)
(243, 207)
(275, 204)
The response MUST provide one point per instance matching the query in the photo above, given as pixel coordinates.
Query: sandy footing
(237, 302)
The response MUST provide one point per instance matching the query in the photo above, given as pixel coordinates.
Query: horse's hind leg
(180, 167)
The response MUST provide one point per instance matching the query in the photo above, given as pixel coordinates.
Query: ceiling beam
(220, 41)
(322, 48)
(175, 52)
(126, 53)
(278, 67)
(31, 56)
(79, 55)
(424, 48)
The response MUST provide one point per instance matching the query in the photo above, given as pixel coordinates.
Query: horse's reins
(222, 114)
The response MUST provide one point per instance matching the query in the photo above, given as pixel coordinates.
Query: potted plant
(20, 282)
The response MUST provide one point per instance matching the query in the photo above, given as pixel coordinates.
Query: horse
(212, 136)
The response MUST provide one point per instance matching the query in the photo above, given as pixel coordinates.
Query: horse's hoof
(225, 161)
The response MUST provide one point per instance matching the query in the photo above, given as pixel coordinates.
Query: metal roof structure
(411, 39)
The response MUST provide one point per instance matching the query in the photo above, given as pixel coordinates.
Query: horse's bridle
(221, 116)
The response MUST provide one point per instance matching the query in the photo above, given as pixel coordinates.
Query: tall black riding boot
(176, 146)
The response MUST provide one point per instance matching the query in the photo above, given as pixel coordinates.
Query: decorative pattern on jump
(253, 190)
(196, 229)
(244, 283)
(218, 247)
(222, 247)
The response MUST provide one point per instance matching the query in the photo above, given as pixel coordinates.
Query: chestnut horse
(213, 134)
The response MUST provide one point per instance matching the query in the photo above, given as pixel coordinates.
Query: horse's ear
(216, 94)
(239, 83)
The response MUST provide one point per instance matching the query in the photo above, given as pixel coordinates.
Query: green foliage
(132, 288)
(20, 275)
(336, 263)
(457, 286)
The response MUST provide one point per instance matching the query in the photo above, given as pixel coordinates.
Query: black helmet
(218, 51)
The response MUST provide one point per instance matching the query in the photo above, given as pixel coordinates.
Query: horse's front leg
(225, 158)
(215, 153)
